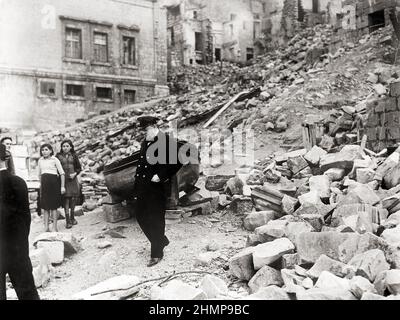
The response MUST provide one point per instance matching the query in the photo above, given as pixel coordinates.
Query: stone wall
(355, 19)
(383, 123)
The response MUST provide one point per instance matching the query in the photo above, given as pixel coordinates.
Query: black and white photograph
(214, 152)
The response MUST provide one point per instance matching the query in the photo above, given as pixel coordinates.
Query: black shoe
(68, 225)
(166, 241)
(153, 261)
(74, 222)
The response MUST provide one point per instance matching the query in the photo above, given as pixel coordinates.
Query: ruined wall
(383, 123)
(356, 19)
(34, 34)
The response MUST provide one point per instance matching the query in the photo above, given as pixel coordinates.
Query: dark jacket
(10, 163)
(77, 163)
(15, 217)
(165, 170)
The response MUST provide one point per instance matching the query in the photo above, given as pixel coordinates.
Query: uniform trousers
(150, 214)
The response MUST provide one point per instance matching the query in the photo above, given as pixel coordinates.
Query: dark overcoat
(15, 220)
(158, 157)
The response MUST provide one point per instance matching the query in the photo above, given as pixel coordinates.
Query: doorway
(376, 20)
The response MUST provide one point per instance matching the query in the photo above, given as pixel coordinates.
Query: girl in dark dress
(72, 167)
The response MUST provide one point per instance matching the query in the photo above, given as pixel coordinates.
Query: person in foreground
(15, 221)
(158, 163)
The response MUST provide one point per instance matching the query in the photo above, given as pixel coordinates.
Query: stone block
(391, 104)
(71, 244)
(310, 246)
(254, 240)
(326, 294)
(392, 203)
(359, 244)
(178, 290)
(392, 177)
(289, 261)
(369, 264)
(268, 293)
(315, 220)
(234, 186)
(297, 164)
(327, 280)
(114, 213)
(265, 277)
(54, 250)
(241, 205)
(294, 229)
(359, 193)
(335, 174)
(241, 265)
(372, 296)
(267, 253)
(117, 284)
(395, 89)
(217, 182)
(292, 281)
(365, 175)
(213, 286)
(321, 185)
(293, 154)
(42, 269)
(289, 204)
(392, 236)
(310, 198)
(393, 133)
(324, 263)
(314, 155)
(257, 219)
(393, 281)
(360, 285)
(342, 160)
(272, 230)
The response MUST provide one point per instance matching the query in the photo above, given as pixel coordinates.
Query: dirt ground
(129, 256)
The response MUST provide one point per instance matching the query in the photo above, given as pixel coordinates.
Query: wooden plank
(220, 111)
(239, 97)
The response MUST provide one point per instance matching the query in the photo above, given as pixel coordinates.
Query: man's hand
(62, 190)
(72, 176)
(155, 178)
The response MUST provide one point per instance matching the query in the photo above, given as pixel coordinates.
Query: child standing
(72, 167)
(50, 187)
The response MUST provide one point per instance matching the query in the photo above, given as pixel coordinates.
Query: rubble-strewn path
(129, 256)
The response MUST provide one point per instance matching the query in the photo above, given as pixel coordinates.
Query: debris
(267, 253)
(265, 277)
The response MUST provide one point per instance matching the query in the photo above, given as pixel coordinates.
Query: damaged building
(360, 17)
(282, 18)
(66, 60)
(206, 31)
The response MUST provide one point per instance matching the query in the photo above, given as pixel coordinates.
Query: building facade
(64, 60)
(206, 31)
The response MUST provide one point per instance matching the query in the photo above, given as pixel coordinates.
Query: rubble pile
(325, 227)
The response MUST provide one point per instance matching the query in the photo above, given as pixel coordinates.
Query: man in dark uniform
(158, 163)
(15, 220)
